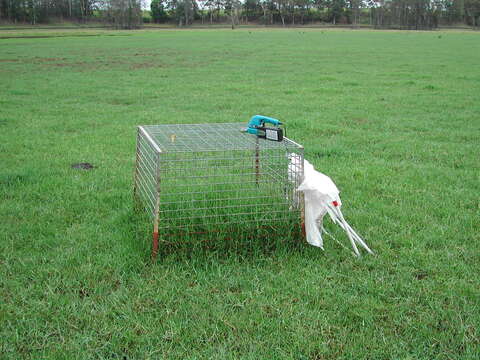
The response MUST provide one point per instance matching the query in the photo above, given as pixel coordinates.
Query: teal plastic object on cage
(257, 126)
(258, 121)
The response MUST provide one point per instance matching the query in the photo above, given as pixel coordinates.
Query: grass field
(392, 117)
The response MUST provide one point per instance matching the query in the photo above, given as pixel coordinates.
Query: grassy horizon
(392, 117)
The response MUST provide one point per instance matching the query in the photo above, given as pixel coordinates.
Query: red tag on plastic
(335, 203)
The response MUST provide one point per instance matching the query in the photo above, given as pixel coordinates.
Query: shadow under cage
(215, 178)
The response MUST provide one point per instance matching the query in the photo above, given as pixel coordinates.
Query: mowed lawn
(392, 117)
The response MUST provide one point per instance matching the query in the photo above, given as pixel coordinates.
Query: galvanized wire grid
(209, 176)
(146, 176)
(208, 137)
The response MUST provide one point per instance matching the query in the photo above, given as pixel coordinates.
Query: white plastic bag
(321, 197)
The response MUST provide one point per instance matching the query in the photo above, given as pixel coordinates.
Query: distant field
(392, 117)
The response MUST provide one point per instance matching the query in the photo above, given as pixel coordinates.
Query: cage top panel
(210, 137)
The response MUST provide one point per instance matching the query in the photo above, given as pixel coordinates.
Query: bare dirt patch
(83, 166)
(56, 36)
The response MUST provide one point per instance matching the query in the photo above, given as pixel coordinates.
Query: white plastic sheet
(321, 197)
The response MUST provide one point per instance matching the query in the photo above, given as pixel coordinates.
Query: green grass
(392, 117)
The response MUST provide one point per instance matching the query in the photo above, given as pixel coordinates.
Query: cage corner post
(257, 161)
(136, 173)
(302, 195)
(156, 215)
(302, 215)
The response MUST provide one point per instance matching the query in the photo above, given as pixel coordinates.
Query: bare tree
(233, 7)
(125, 14)
(282, 6)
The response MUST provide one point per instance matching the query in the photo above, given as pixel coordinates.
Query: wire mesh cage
(206, 178)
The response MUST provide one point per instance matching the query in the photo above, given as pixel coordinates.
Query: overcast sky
(146, 4)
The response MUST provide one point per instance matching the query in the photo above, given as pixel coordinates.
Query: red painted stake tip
(155, 245)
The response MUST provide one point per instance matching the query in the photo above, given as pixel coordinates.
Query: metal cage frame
(192, 177)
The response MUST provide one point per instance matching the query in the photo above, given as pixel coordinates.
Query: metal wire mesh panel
(146, 171)
(207, 177)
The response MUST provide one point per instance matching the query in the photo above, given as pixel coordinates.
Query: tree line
(122, 13)
(402, 14)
